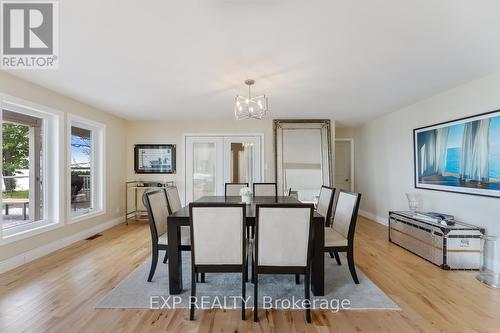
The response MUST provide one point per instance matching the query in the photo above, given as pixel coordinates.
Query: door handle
(346, 180)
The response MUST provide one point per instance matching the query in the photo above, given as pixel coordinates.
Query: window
(30, 168)
(86, 168)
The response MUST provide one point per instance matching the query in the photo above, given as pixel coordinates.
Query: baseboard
(26, 257)
(373, 217)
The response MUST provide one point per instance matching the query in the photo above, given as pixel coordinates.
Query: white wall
(115, 175)
(384, 155)
(171, 132)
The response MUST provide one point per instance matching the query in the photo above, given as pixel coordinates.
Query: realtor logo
(29, 35)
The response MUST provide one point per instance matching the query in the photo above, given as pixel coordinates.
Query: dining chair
(265, 190)
(218, 244)
(339, 237)
(278, 252)
(174, 204)
(233, 189)
(325, 203)
(324, 208)
(157, 207)
(173, 199)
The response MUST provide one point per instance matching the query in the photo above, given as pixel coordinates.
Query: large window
(22, 152)
(30, 168)
(86, 183)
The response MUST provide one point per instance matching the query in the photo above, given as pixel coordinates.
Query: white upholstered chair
(265, 190)
(157, 207)
(174, 201)
(278, 252)
(233, 189)
(325, 203)
(218, 239)
(340, 236)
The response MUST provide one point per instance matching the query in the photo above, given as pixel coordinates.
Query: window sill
(85, 216)
(21, 232)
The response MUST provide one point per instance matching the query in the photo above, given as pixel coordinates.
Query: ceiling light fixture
(250, 107)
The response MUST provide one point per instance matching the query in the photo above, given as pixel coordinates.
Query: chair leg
(307, 296)
(331, 254)
(244, 277)
(193, 294)
(246, 271)
(297, 279)
(337, 258)
(202, 277)
(253, 270)
(166, 257)
(352, 267)
(255, 299)
(154, 262)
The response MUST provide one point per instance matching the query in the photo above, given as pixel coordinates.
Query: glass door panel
(204, 165)
(204, 156)
(212, 161)
(242, 159)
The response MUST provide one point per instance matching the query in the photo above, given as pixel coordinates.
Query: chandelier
(250, 107)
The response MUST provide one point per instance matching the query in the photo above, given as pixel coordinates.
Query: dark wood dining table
(181, 218)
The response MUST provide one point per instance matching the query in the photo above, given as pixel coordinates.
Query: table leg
(318, 258)
(24, 211)
(174, 259)
(6, 209)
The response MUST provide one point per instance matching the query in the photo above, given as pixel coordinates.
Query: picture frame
(155, 158)
(461, 155)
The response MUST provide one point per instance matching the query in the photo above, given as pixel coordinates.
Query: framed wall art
(154, 158)
(462, 155)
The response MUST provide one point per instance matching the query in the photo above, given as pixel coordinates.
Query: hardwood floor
(58, 293)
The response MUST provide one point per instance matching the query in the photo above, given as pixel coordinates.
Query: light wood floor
(58, 293)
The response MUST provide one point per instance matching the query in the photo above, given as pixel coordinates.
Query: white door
(212, 161)
(343, 177)
(242, 159)
(204, 167)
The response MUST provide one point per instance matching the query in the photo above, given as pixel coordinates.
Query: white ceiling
(350, 60)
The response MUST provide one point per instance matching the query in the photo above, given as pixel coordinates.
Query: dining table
(181, 218)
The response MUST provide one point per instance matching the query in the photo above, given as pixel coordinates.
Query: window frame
(98, 167)
(52, 161)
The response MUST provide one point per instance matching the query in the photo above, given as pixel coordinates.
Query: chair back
(173, 199)
(233, 189)
(325, 203)
(283, 234)
(346, 213)
(157, 207)
(265, 190)
(217, 233)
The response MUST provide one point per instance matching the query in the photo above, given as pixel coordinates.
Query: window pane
(81, 171)
(203, 170)
(22, 151)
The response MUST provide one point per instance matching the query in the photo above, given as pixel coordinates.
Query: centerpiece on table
(246, 195)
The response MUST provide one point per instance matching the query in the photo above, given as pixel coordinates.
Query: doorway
(212, 161)
(344, 164)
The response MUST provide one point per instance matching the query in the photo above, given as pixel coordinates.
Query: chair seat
(185, 237)
(334, 239)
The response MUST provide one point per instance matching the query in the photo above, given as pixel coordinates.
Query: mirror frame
(326, 146)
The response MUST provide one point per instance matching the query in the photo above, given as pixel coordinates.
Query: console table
(137, 186)
(455, 246)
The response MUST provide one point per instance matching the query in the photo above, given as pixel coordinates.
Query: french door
(212, 161)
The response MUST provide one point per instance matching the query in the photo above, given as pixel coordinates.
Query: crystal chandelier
(250, 107)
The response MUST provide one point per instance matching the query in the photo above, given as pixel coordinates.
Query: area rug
(224, 290)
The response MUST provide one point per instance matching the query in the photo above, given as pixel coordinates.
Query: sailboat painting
(460, 156)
